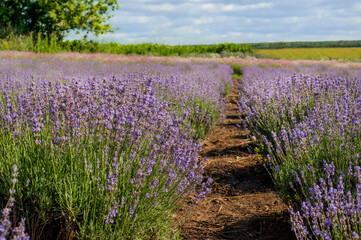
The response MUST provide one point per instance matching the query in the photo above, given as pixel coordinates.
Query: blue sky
(243, 21)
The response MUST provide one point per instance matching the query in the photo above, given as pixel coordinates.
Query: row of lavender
(309, 126)
(103, 151)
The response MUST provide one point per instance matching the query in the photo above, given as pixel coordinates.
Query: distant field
(312, 53)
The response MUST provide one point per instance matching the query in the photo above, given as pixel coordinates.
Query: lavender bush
(110, 149)
(302, 120)
(331, 212)
(18, 233)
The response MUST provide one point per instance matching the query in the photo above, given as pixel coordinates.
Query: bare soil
(243, 203)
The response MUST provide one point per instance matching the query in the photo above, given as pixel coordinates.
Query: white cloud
(208, 7)
(212, 21)
(160, 7)
(125, 18)
(212, 7)
(202, 20)
(357, 6)
(356, 20)
(237, 7)
(186, 30)
(196, 1)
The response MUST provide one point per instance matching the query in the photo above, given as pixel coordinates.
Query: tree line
(315, 44)
(153, 48)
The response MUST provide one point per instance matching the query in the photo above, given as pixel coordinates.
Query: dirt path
(242, 204)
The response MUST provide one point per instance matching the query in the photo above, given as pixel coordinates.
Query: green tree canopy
(56, 16)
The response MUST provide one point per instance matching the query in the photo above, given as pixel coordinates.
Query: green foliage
(51, 44)
(227, 88)
(203, 118)
(237, 69)
(39, 44)
(56, 17)
(52, 181)
(152, 49)
(318, 44)
(351, 53)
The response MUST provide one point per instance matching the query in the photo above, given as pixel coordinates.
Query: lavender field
(102, 148)
(98, 150)
(307, 120)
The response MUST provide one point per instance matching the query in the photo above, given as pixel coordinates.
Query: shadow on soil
(234, 150)
(241, 179)
(232, 116)
(262, 227)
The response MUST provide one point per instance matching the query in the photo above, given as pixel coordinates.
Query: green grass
(237, 68)
(311, 53)
(31, 44)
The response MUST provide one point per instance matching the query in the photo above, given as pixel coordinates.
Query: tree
(57, 17)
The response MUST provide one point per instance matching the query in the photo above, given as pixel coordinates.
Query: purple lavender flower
(333, 212)
(126, 131)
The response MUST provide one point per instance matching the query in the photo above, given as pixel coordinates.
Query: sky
(186, 22)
